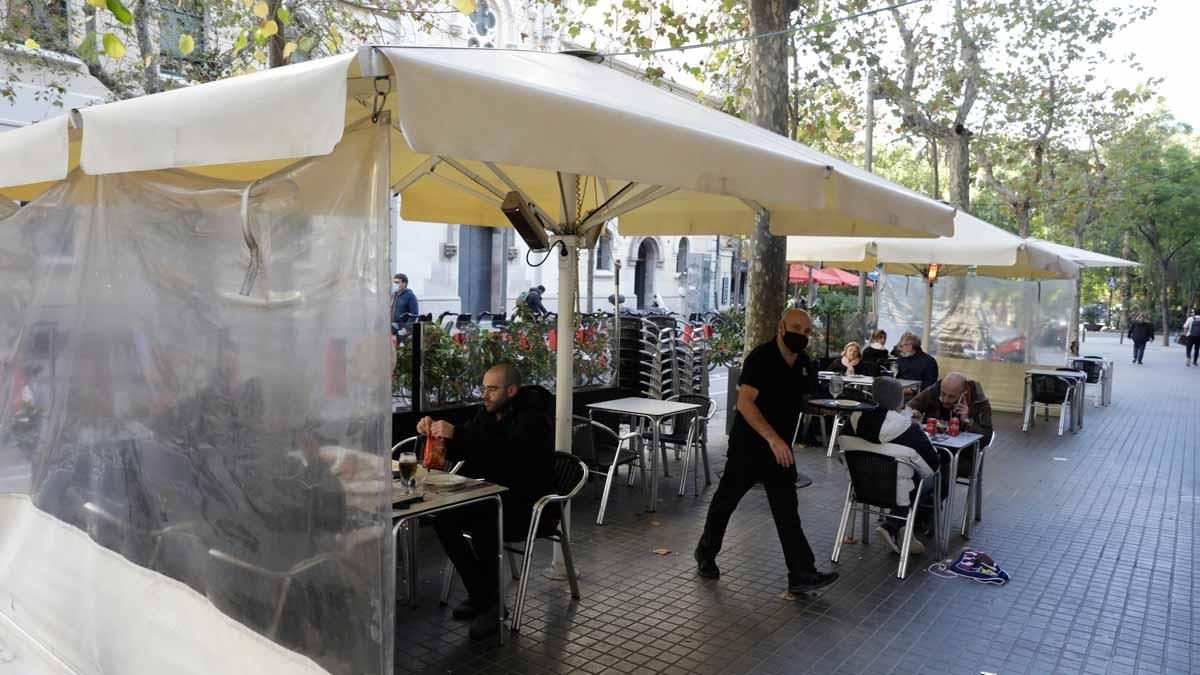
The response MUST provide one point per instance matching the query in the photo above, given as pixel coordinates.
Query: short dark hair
(400, 276)
(541, 288)
(512, 376)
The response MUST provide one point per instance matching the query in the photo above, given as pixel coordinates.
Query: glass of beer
(408, 468)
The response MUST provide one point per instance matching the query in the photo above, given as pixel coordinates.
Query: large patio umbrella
(975, 244)
(582, 143)
(1083, 257)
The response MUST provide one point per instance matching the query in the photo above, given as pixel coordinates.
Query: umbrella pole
(568, 279)
(926, 339)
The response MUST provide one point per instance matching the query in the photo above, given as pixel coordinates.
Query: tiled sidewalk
(1096, 529)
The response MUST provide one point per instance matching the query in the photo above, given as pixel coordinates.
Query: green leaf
(307, 43)
(113, 47)
(119, 11)
(239, 44)
(284, 16)
(187, 44)
(87, 47)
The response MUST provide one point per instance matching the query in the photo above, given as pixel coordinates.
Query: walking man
(1191, 337)
(404, 303)
(776, 378)
(1141, 331)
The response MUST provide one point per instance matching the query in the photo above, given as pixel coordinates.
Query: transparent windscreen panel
(195, 376)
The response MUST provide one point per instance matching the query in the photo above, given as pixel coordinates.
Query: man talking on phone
(776, 378)
(956, 396)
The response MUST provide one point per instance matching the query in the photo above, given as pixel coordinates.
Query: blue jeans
(1139, 350)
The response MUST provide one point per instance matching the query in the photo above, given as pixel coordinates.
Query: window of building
(176, 19)
(604, 257)
(483, 26)
(681, 257)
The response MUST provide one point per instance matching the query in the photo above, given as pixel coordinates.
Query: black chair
(875, 489)
(570, 473)
(604, 451)
(1094, 371)
(690, 432)
(1050, 391)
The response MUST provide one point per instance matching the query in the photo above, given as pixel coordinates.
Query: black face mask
(795, 342)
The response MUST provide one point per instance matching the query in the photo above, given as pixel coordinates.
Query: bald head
(796, 321)
(953, 386)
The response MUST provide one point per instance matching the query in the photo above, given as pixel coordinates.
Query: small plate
(847, 402)
(445, 480)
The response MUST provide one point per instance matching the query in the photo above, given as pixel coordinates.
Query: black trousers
(476, 561)
(1139, 350)
(1193, 348)
(743, 469)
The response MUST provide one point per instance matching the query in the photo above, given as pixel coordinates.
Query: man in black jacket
(776, 378)
(1141, 331)
(915, 364)
(510, 442)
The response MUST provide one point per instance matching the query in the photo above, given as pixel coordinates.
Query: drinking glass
(836, 385)
(408, 468)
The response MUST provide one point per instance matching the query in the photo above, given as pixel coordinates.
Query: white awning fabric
(521, 116)
(1084, 257)
(975, 243)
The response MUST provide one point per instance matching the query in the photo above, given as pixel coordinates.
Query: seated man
(956, 396)
(886, 424)
(510, 442)
(915, 364)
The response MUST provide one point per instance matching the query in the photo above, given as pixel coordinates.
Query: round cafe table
(841, 409)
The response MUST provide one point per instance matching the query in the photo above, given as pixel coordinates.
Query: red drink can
(953, 426)
(931, 426)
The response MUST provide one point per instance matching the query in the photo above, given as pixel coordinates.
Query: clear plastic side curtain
(195, 399)
(982, 318)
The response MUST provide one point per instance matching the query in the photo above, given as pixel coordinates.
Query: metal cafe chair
(874, 489)
(1095, 375)
(285, 578)
(691, 431)
(1050, 391)
(570, 474)
(604, 451)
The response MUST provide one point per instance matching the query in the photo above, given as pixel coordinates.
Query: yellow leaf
(465, 6)
(98, 4)
(113, 47)
(187, 44)
(261, 9)
(270, 28)
(31, 44)
(260, 56)
(147, 60)
(288, 49)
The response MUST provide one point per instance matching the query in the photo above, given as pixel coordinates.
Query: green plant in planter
(728, 340)
(829, 313)
(593, 355)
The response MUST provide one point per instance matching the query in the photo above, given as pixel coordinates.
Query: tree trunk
(768, 109)
(1166, 302)
(145, 14)
(276, 42)
(1024, 216)
(958, 163)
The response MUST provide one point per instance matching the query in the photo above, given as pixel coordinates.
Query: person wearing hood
(915, 364)
(876, 350)
(509, 442)
(777, 376)
(404, 303)
(886, 424)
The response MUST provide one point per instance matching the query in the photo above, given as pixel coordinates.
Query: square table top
(1077, 374)
(863, 380)
(646, 407)
(963, 440)
(435, 499)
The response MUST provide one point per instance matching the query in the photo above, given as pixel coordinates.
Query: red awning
(829, 276)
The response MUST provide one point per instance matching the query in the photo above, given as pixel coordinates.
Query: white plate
(847, 402)
(445, 479)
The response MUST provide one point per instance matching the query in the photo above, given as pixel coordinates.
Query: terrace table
(436, 500)
(1080, 378)
(840, 409)
(655, 412)
(953, 446)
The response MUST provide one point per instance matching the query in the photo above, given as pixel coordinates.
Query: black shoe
(465, 611)
(811, 582)
(485, 624)
(706, 566)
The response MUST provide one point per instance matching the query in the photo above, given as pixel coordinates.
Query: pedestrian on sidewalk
(1141, 331)
(777, 377)
(1191, 338)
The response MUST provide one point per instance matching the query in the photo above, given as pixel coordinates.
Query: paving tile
(1092, 545)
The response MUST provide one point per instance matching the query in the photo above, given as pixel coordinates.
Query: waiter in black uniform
(776, 378)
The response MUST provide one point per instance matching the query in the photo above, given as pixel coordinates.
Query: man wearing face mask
(776, 378)
(404, 304)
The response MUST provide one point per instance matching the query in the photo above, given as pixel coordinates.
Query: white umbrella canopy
(1084, 257)
(990, 250)
(582, 142)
